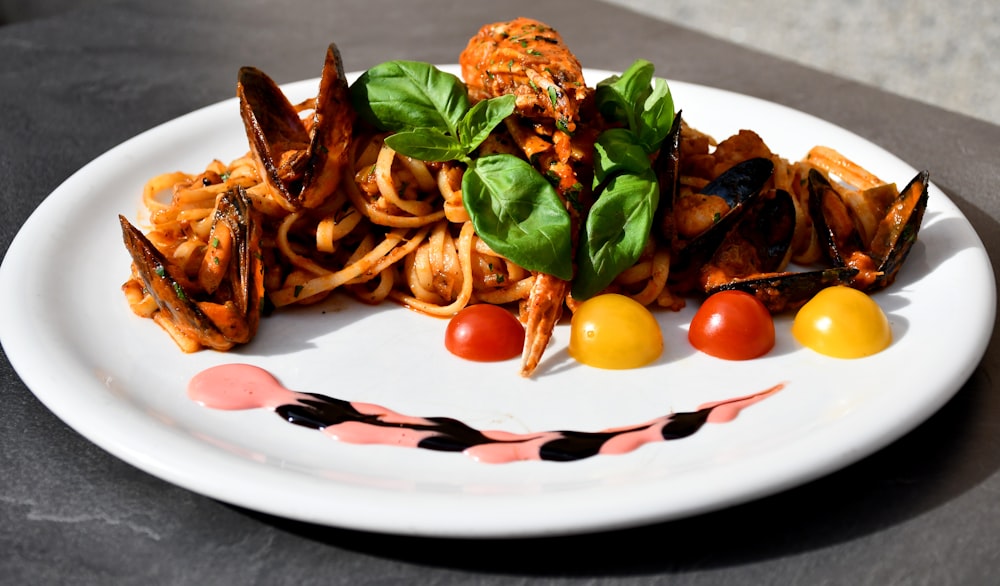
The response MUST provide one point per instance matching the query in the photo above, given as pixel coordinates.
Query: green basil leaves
(625, 185)
(639, 101)
(519, 214)
(427, 109)
(406, 95)
(514, 209)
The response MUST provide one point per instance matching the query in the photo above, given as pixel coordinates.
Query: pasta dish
(338, 193)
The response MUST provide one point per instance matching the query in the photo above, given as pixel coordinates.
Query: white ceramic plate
(120, 381)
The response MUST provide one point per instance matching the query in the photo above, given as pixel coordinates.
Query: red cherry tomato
(484, 333)
(732, 325)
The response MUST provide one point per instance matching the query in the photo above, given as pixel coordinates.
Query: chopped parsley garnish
(553, 95)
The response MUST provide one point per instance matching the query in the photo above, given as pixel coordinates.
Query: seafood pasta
(344, 193)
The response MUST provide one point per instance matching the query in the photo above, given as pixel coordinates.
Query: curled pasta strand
(465, 238)
(444, 265)
(425, 179)
(382, 172)
(387, 185)
(511, 293)
(659, 271)
(449, 182)
(393, 240)
(378, 294)
(331, 229)
(637, 272)
(157, 185)
(302, 262)
(371, 210)
(187, 255)
(419, 278)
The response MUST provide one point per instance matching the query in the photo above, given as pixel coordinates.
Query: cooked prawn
(529, 59)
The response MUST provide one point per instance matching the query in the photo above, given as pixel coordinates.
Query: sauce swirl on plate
(243, 386)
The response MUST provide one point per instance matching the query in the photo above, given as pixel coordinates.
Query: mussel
(865, 232)
(865, 263)
(760, 242)
(222, 306)
(719, 206)
(301, 164)
(876, 256)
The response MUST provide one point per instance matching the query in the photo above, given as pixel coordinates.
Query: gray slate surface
(922, 511)
(940, 53)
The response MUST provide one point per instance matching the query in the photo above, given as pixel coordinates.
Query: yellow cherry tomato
(842, 322)
(615, 332)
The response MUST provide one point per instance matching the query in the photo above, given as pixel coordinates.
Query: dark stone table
(924, 510)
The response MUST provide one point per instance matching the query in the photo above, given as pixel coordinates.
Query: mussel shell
(896, 233)
(759, 243)
(246, 268)
(163, 282)
(333, 123)
(270, 120)
(898, 230)
(781, 292)
(769, 227)
(739, 186)
(273, 127)
(741, 181)
(832, 220)
(667, 169)
(173, 291)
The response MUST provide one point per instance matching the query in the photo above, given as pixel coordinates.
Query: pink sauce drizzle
(244, 386)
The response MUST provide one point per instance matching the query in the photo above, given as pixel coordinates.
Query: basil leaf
(426, 144)
(618, 151)
(620, 97)
(402, 95)
(657, 116)
(616, 231)
(513, 208)
(479, 122)
(519, 214)
(625, 184)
